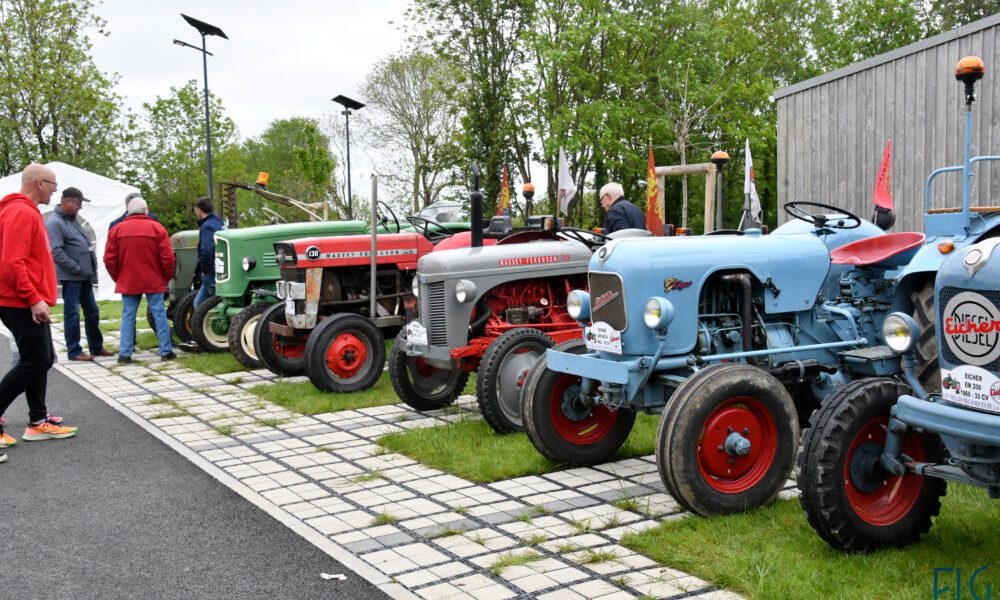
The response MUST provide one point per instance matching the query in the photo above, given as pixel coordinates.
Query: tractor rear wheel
(345, 353)
(927, 369)
(210, 330)
(283, 356)
(241, 332)
(182, 317)
(420, 385)
(565, 428)
(850, 500)
(727, 440)
(502, 372)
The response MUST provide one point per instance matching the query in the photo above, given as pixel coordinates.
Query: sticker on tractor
(601, 336)
(220, 267)
(524, 261)
(671, 284)
(312, 253)
(972, 328)
(416, 333)
(971, 386)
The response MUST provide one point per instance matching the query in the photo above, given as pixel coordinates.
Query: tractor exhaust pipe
(476, 201)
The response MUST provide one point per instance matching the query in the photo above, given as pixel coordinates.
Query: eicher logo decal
(671, 284)
(524, 261)
(604, 299)
(972, 328)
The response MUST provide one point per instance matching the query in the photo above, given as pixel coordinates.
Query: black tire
(693, 456)
(418, 384)
(345, 353)
(851, 509)
(502, 372)
(285, 357)
(182, 317)
(589, 437)
(207, 327)
(241, 335)
(926, 366)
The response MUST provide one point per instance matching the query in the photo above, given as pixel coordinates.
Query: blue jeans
(76, 294)
(130, 306)
(206, 291)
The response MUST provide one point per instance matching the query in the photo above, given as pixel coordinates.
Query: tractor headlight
(578, 305)
(465, 290)
(900, 332)
(659, 313)
(415, 284)
(248, 263)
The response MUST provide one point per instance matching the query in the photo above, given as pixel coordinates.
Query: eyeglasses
(51, 182)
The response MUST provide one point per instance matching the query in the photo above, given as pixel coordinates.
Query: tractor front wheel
(850, 499)
(502, 373)
(564, 427)
(182, 317)
(241, 332)
(727, 440)
(926, 367)
(345, 353)
(209, 328)
(420, 385)
(281, 355)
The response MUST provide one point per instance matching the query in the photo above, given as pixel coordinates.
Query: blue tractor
(736, 339)
(878, 455)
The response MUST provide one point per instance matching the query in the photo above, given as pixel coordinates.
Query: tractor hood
(287, 231)
(401, 249)
(532, 259)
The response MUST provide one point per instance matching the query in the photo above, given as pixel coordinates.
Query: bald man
(27, 290)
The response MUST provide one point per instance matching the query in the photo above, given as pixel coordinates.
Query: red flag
(654, 218)
(504, 203)
(883, 182)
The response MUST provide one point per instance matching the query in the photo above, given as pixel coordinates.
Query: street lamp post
(348, 105)
(205, 29)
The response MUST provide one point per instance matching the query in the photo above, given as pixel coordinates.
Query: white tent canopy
(107, 202)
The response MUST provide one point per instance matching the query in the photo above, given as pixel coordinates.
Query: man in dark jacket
(140, 260)
(76, 270)
(208, 224)
(622, 214)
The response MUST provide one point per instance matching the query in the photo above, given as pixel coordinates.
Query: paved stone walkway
(324, 475)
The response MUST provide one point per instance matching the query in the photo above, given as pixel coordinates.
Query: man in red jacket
(27, 290)
(140, 260)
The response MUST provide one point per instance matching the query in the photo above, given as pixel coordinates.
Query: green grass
(212, 363)
(512, 559)
(774, 553)
(384, 518)
(472, 450)
(303, 397)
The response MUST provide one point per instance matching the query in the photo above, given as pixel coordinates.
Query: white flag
(750, 190)
(567, 189)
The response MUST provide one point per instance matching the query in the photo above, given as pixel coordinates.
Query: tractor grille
(949, 358)
(433, 313)
(607, 297)
(268, 260)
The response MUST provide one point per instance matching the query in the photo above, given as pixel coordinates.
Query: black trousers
(30, 375)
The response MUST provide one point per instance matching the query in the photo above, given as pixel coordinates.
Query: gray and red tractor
(735, 340)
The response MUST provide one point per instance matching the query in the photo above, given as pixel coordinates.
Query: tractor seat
(891, 249)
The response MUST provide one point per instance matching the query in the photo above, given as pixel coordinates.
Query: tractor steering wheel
(588, 238)
(841, 218)
(383, 217)
(440, 232)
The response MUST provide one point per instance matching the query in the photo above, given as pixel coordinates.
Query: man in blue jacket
(76, 270)
(622, 214)
(208, 224)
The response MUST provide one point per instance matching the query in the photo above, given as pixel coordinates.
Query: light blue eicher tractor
(878, 455)
(736, 339)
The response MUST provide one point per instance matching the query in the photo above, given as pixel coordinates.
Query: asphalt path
(115, 513)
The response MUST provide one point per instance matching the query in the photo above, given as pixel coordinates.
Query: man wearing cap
(76, 270)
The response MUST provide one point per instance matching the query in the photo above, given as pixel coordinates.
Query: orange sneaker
(47, 431)
(6, 440)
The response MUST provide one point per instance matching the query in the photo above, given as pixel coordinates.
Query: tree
(413, 95)
(55, 104)
(168, 157)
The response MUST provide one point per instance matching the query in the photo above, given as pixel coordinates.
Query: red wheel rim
(591, 429)
(894, 499)
(346, 355)
(737, 474)
(422, 368)
(294, 350)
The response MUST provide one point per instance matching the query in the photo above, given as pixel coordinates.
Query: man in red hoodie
(27, 290)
